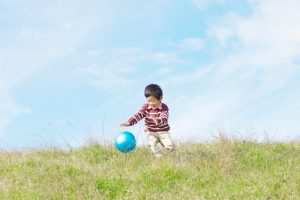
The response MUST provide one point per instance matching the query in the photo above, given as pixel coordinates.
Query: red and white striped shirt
(155, 119)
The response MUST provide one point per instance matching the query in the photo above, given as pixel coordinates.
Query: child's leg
(152, 141)
(165, 139)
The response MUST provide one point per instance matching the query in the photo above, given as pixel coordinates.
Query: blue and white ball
(125, 142)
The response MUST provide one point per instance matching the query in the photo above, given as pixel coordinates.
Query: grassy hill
(222, 170)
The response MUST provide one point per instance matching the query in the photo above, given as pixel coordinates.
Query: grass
(224, 169)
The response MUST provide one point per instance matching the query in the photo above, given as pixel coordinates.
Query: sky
(72, 71)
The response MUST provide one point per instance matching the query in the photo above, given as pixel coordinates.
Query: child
(156, 116)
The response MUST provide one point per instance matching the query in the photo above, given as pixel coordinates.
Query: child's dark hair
(153, 90)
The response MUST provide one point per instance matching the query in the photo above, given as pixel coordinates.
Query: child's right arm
(136, 117)
(125, 124)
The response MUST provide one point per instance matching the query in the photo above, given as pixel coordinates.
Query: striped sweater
(155, 119)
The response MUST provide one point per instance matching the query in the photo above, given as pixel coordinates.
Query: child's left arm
(163, 118)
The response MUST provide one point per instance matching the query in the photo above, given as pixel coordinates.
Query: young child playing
(156, 116)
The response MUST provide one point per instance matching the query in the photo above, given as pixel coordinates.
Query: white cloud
(109, 68)
(268, 40)
(29, 33)
(9, 111)
(40, 36)
(192, 44)
(261, 47)
(188, 77)
(37, 36)
(165, 70)
(187, 44)
(16, 67)
(202, 4)
(107, 76)
(201, 112)
(167, 57)
(256, 62)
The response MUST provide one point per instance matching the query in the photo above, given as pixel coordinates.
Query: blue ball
(125, 142)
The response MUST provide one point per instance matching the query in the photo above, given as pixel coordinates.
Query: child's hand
(125, 124)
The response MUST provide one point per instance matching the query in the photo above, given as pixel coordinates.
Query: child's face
(153, 102)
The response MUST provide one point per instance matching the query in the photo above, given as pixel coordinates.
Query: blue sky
(72, 71)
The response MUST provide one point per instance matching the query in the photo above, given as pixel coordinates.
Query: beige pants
(163, 138)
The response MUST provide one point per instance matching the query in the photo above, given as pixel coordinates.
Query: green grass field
(221, 170)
